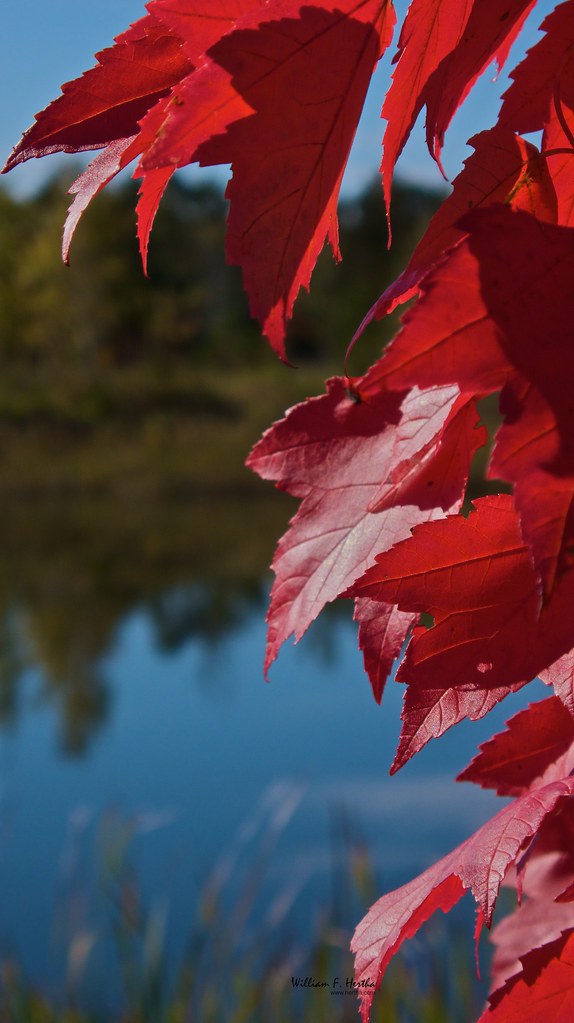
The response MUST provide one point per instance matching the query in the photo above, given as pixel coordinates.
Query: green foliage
(100, 311)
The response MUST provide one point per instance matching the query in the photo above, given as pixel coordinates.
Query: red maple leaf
(382, 631)
(474, 577)
(537, 746)
(503, 168)
(490, 290)
(537, 924)
(542, 990)
(108, 101)
(366, 473)
(200, 23)
(429, 711)
(488, 36)
(431, 30)
(544, 879)
(489, 636)
(213, 104)
(557, 142)
(545, 76)
(288, 158)
(479, 864)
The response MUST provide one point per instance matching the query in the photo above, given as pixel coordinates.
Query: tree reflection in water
(73, 571)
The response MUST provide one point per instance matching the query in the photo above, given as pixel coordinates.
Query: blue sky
(46, 43)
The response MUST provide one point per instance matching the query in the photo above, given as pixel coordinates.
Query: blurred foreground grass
(260, 1001)
(244, 950)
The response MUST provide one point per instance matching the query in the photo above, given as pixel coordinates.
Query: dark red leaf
(503, 168)
(561, 165)
(474, 576)
(537, 740)
(479, 325)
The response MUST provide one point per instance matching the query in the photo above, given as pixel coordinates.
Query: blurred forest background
(127, 409)
(98, 360)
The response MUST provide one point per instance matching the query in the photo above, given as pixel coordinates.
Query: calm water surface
(133, 702)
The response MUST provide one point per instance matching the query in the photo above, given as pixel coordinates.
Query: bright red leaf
(431, 30)
(479, 864)
(106, 103)
(429, 711)
(288, 157)
(151, 190)
(200, 23)
(488, 36)
(365, 472)
(544, 76)
(536, 924)
(474, 576)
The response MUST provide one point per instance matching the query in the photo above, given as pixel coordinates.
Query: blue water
(209, 763)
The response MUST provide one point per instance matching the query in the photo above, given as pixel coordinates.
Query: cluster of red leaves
(381, 463)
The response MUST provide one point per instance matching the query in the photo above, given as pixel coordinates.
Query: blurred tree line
(102, 311)
(122, 436)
